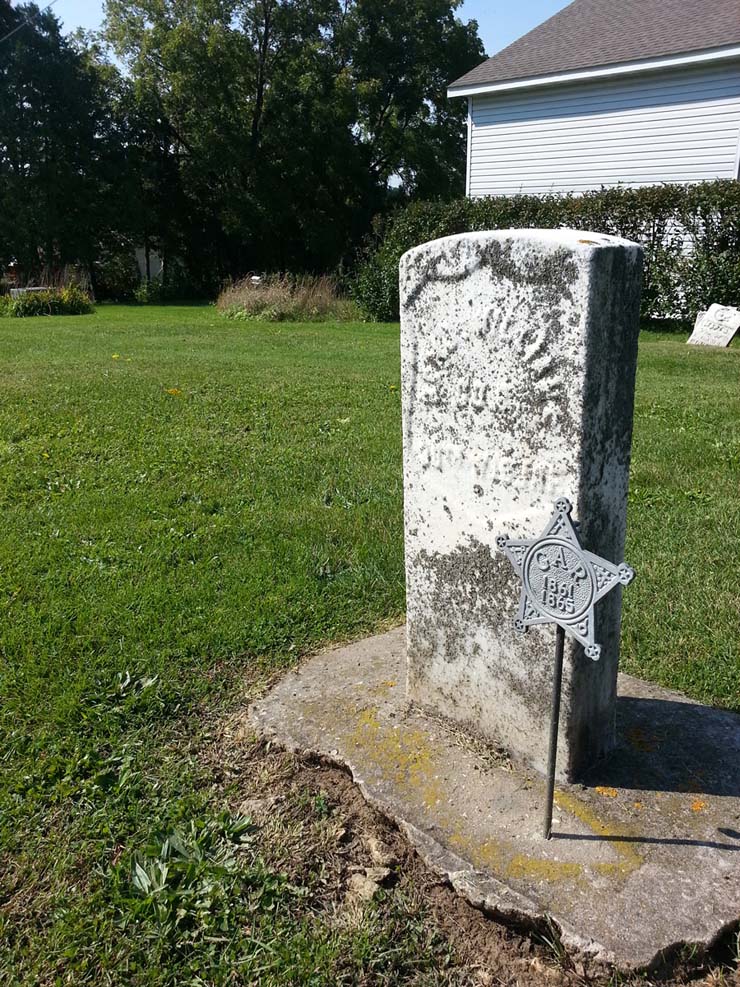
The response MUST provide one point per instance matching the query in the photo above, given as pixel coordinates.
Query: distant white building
(155, 264)
(608, 92)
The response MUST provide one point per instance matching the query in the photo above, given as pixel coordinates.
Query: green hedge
(691, 236)
(52, 301)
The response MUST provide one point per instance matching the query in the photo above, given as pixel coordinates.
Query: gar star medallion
(561, 582)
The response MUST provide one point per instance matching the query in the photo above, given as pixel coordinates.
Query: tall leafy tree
(403, 54)
(60, 149)
(289, 123)
(244, 133)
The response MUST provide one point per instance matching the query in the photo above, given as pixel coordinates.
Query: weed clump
(286, 298)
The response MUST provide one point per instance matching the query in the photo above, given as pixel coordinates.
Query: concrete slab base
(645, 855)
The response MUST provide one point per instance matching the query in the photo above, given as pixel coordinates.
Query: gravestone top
(715, 327)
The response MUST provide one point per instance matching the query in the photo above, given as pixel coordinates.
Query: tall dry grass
(286, 298)
(54, 278)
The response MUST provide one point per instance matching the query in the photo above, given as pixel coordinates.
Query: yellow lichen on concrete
(607, 792)
(541, 869)
(406, 758)
(382, 688)
(403, 756)
(496, 856)
(493, 855)
(489, 854)
(629, 859)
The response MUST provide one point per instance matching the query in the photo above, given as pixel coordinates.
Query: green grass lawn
(185, 500)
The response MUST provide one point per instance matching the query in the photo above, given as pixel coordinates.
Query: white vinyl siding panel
(681, 125)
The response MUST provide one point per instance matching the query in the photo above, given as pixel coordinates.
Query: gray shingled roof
(591, 33)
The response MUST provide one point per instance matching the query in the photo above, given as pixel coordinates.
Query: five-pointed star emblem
(561, 582)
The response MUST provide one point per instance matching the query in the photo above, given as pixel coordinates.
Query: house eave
(622, 68)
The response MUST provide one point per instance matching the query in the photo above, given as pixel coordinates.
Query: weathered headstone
(518, 362)
(518, 358)
(715, 327)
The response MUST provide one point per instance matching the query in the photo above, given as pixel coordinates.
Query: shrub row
(71, 300)
(691, 236)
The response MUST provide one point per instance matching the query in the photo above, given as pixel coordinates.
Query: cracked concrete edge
(493, 897)
(702, 948)
(481, 890)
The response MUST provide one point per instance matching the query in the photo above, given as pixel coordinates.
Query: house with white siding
(605, 93)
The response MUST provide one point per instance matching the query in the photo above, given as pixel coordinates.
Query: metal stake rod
(557, 683)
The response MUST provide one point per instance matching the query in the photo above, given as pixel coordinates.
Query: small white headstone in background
(717, 327)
